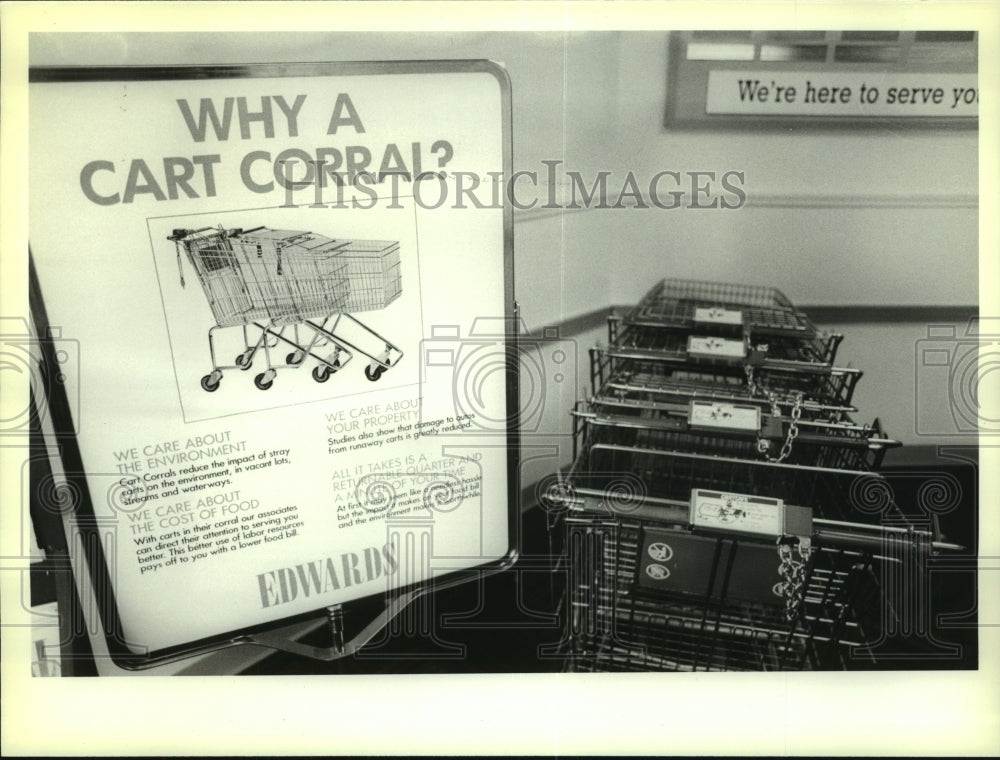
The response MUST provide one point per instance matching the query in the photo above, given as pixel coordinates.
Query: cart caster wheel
(375, 374)
(263, 380)
(295, 358)
(322, 373)
(210, 382)
(243, 361)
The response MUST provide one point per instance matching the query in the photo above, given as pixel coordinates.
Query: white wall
(833, 217)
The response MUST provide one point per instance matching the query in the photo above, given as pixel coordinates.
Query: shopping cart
(702, 323)
(741, 430)
(285, 283)
(723, 510)
(617, 372)
(687, 561)
(723, 307)
(671, 347)
(615, 382)
(631, 609)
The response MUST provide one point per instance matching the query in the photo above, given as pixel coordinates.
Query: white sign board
(847, 94)
(252, 265)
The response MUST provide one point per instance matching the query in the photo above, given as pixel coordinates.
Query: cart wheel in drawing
(210, 382)
(243, 361)
(374, 374)
(264, 380)
(295, 357)
(322, 373)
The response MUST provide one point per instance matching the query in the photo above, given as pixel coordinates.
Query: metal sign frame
(63, 446)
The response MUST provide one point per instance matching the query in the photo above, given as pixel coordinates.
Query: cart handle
(177, 236)
(180, 265)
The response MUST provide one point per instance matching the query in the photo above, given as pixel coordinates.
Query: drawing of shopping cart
(298, 288)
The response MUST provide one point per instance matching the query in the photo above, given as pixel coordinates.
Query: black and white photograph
(557, 377)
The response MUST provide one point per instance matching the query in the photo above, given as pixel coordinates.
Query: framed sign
(282, 299)
(823, 78)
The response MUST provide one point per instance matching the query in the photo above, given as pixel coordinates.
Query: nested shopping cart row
(723, 510)
(688, 561)
(649, 594)
(294, 288)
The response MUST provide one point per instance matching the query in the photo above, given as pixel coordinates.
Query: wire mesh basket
(646, 594)
(370, 268)
(690, 304)
(842, 489)
(680, 392)
(655, 343)
(373, 269)
(612, 373)
(287, 285)
(739, 430)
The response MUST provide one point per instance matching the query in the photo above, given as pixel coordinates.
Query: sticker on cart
(660, 551)
(718, 316)
(716, 348)
(657, 572)
(737, 512)
(720, 416)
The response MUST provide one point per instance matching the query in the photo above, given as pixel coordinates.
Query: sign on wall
(822, 78)
(819, 93)
(269, 276)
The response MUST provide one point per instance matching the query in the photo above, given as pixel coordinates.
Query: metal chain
(793, 572)
(793, 429)
(763, 445)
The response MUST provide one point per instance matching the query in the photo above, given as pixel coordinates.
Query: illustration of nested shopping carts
(296, 288)
(723, 509)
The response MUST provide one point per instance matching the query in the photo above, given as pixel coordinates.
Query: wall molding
(855, 314)
(844, 200)
(557, 204)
